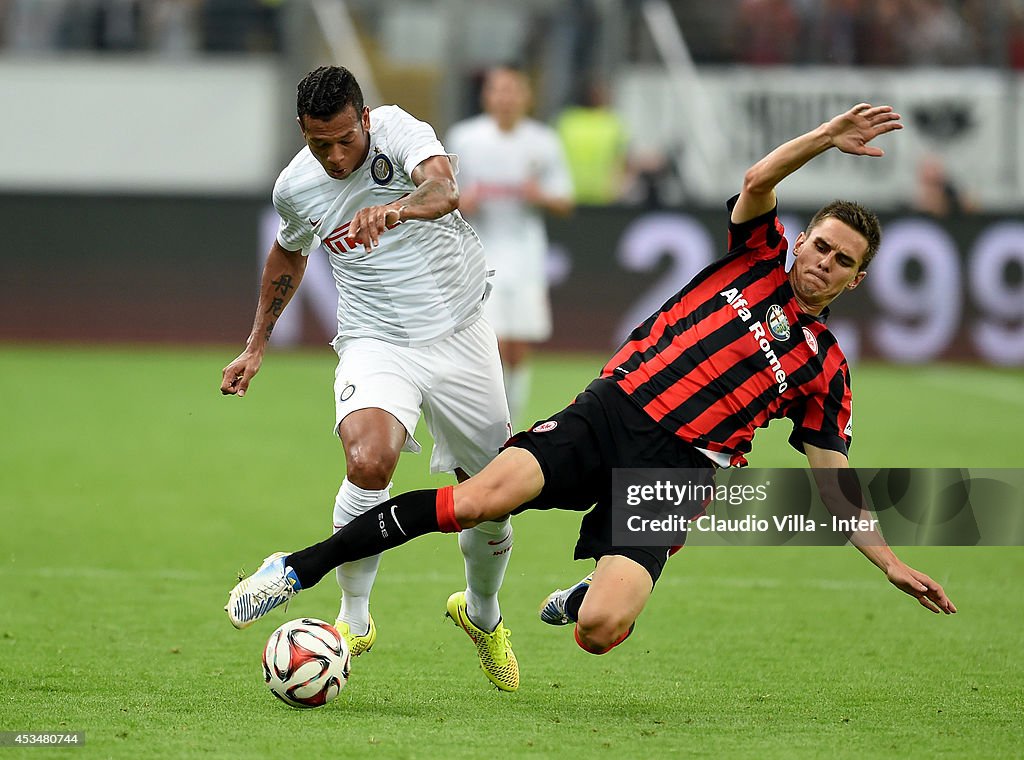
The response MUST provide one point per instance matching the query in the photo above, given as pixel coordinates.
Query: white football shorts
(519, 310)
(456, 383)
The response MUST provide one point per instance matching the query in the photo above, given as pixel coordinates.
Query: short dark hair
(326, 91)
(857, 217)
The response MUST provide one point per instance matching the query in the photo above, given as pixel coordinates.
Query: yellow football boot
(497, 659)
(357, 644)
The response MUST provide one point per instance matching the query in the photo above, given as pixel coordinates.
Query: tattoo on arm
(280, 291)
(283, 284)
(430, 190)
(433, 196)
(276, 307)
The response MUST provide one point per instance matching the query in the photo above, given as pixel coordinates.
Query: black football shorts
(578, 448)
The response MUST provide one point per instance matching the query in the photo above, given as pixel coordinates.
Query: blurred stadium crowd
(572, 48)
(168, 27)
(879, 32)
(760, 32)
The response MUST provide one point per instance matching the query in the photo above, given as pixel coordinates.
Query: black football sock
(385, 526)
(572, 604)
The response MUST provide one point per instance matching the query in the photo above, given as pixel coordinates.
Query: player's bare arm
(281, 276)
(870, 542)
(469, 200)
(436, 194)
(557, 205)
(850, 132)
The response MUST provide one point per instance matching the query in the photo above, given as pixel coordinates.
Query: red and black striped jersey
(732, 351)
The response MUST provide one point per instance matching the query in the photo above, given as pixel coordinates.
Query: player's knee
(470, 512)
(474, 505)
(595, 640)
(598, 631)
(369, 468)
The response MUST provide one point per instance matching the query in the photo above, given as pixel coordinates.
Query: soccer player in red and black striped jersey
(744, 342)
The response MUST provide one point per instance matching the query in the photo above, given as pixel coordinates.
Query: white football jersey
(425, 280)
(496, 165)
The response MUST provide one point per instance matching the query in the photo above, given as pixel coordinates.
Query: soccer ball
(306, 662)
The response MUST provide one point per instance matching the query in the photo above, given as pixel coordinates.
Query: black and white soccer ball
(306, 662)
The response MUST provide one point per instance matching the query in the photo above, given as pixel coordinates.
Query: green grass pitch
(131, 493)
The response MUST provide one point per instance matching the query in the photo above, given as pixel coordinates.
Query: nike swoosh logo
(498, 542)
(393, 517)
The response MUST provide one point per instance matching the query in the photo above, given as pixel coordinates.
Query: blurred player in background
(511, 172)
(378, 190)
(743, 343)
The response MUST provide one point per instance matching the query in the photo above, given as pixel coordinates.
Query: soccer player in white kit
(377, 190)
(512, 171)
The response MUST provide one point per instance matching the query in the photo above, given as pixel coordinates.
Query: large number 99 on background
(932, 300)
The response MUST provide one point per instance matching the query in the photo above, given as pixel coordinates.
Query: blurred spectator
(564, 42)
(113, 25)
(883, 33)
(594, 139)
(241, 26)
(936, 194)
(767, 32)
(987, 25)
(1015, 36)
(835, 30)
(940, 36)
(32, 26)
(172, 26)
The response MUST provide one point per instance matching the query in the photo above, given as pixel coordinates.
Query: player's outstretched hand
(370, 223)
(237, 375)
(928, 592)
(852, 131)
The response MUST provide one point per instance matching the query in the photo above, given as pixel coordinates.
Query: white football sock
(356, 578)
(486, 549)
(517, 391)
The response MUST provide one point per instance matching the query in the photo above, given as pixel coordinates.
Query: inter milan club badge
(778, 323)
(381, 169)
